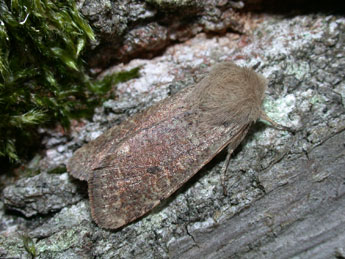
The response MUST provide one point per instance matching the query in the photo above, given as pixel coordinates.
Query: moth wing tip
(76, 167)
(103, 221)
(103, 217)
(106, 211)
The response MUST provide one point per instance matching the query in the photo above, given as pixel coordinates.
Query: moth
(132, 167)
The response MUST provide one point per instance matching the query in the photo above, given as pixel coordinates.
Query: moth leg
(224, 169)
(235, 141)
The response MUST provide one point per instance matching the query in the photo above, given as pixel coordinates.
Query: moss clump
(42, 76)
(29, 245)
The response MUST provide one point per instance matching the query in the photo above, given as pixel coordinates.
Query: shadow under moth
(132, 167)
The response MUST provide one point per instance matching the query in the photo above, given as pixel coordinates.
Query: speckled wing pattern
(148, 158)
(81, 164)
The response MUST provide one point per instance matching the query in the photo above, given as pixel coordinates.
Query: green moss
(29, 245)
(58, 170)
(42, 74)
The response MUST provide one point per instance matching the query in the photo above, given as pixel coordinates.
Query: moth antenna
(264, 117)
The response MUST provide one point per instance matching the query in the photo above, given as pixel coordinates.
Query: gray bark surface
(304, 218)
(285, 191)
(132, 28)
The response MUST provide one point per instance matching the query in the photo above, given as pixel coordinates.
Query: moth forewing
(148, 157)
(135, 182)
(86, 158)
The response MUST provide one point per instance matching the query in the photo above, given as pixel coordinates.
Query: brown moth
(132, 167)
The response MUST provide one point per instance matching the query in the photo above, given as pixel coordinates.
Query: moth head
(231, 94)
